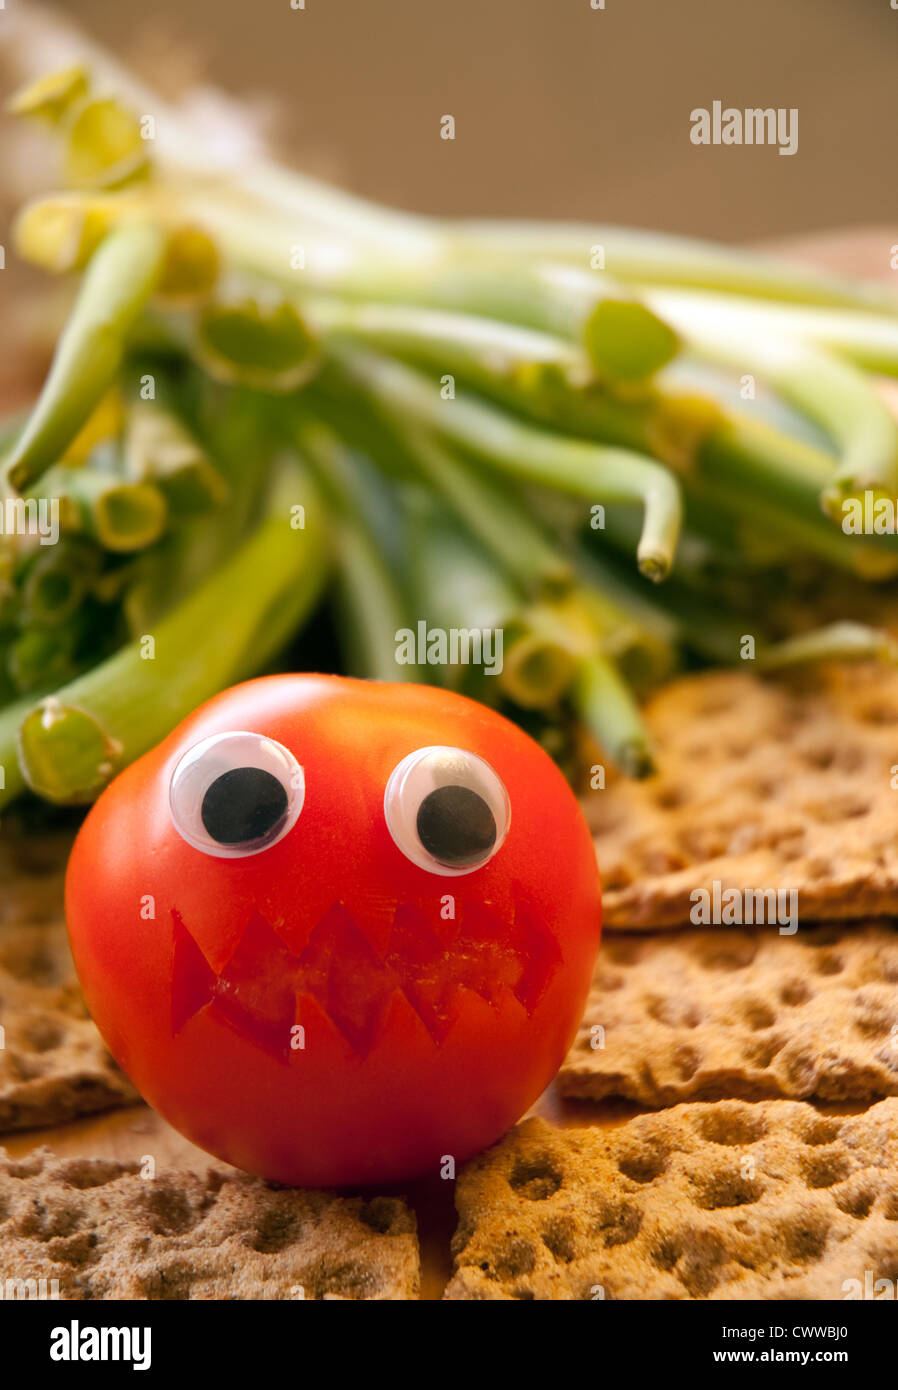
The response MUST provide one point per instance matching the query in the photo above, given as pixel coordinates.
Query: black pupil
(243, 805)
(456, 826)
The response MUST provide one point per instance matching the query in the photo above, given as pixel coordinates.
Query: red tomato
(337, 930)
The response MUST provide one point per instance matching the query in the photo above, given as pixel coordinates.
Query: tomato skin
(376, 1093)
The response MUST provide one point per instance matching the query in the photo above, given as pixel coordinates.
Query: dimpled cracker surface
(727, 1201)
(700, 1015)
(105, 1232)
(762, 784)
(53, 1064)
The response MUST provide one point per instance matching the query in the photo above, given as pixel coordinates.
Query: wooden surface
(131, 1133)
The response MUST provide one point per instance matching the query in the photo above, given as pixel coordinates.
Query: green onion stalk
(655, 259)
(117, 284)
(588, 471)
(371, 602)
(462, 590)
(488, 507)
(775, 482)
(496, 517)
(230, 426)
(622, 339)
(835, 395)
(842, 641)
(72, 743)
(867, 338)
(605, 706)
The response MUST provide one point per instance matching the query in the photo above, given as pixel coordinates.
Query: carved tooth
(256, 991)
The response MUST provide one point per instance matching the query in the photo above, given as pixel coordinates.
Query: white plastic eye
(447, 810)
(235, 794)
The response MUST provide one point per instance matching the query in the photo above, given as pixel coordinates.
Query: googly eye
(447, 810)
(235, 794)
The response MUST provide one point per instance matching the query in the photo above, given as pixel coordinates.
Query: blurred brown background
(561, 110)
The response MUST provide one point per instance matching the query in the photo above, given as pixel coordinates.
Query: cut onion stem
(121, 516)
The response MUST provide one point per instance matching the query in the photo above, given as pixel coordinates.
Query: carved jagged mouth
(260, 988)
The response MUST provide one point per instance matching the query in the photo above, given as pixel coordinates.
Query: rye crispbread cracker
(701, 1015)
(105, 1232)
(53, 1064)
(762, 784)
(727, 1201)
